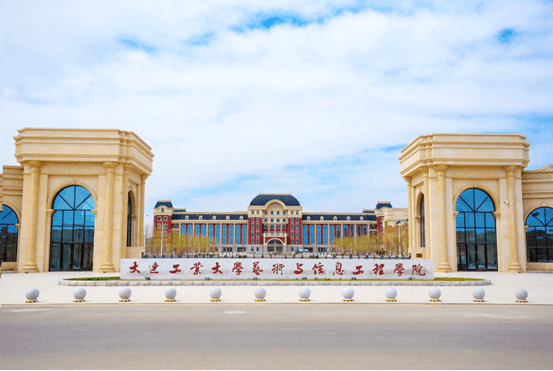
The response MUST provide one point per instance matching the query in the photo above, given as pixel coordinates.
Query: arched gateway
(72, 237)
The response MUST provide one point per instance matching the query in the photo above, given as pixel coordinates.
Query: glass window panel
(542, 255)
(68, 217)
(89, 236)
(55, 257)
(81, 194)
(480, 235)
(230, 234)
(79, 218)
(7, 216)
(88, 204)
(68, 235)
(338, 232)
(471, 257)
(460, 220)
(461, 256)
(492, 257)
(190, 229)
(469, 220)
(487, 205)
(78, 235)
(481, 256)
(77, 256)
(318, 235)
(68, 194)
(332, 235)
(460, 235)
(490, 235)
(534, 219)
(479, 220)
(548, 215)
(60, 204)
(311, 235)
(490, 220)
(540, 240)
(532, 254)
(465, 202)
(244, 233)
(90, 219)
(550, 254)
(56, 234)
(305, 235)
(66, 256)
(479, 199)
(471, 236)
(224, 234)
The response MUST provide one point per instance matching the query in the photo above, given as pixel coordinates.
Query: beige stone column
(441, 222)
(107, 264)
(410, 211)
(427, 218)
(514, 265)
(30, 264)
(141, 210)
(125, 203)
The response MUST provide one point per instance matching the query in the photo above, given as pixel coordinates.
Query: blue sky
(313, 98)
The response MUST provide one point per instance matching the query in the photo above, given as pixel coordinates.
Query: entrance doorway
(72, 237)
(476, 234)
(275, 246)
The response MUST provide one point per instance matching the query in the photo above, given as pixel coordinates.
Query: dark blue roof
(206, 216)
(164, 203)
(340, 217)
(380, 205)
(261, 200)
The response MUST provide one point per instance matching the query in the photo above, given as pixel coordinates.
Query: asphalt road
(261, 336)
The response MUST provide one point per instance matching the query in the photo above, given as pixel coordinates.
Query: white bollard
(170, 295)
(348, 293)
(215, 294)
(79, 293)
(391, 294)
(435, 294)
(31, 295)
(521, 295)
(260, 294)
(124, 294)
(305, 293)
(478, 294)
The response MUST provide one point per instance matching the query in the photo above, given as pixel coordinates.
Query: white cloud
(260, 102)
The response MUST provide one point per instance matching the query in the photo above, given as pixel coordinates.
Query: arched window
(422, 223)
(8, 235)
(476, 237)
(72, 236)
(539, 236)
(129, 220)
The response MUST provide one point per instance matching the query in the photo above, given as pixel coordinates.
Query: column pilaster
(441, 222)
(30, 264)
(514, 264)
(107, 264)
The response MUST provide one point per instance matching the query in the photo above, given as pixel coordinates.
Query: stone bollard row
(125, 293)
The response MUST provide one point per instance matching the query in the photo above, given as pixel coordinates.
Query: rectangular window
(165, 219)
(311, 235)
(318, 235)
(305, 235)
(224, 234)
(338, 232)
(190, 229)
(332, 235)
(217, 234)
(325, 235)
(230, 234)
(159, 218)
(211, 232)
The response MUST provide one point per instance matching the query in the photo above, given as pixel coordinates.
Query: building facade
(472, 206)
(274, 223)
(76, 202)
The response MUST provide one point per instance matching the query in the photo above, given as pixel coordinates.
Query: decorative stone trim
(274, 283)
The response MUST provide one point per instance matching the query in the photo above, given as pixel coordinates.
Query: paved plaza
(501, 291)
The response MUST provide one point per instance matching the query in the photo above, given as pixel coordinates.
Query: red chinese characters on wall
(418, 270)
(134, 268)
(277, 268)
(299, 269)
(196, 268)
(153, 268)
(238, 268)
(257, 269)
(339, 271)
(399, 269)
(318, 268)
(176, 269)
(358, 270)
(216, 269)
(378, 269)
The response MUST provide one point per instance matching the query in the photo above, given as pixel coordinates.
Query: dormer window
(335, 218)
(362, 219)
(162, 209)
(186, 217)
(347, 218)
(322, 218)
(228, 217)
(214, 217)
(201, 217)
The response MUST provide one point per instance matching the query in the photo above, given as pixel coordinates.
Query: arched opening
(422, 223)
(476, 235)
(8, 235)
(72, 237)
(129, 220)
(275, 246)
(539, 236)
